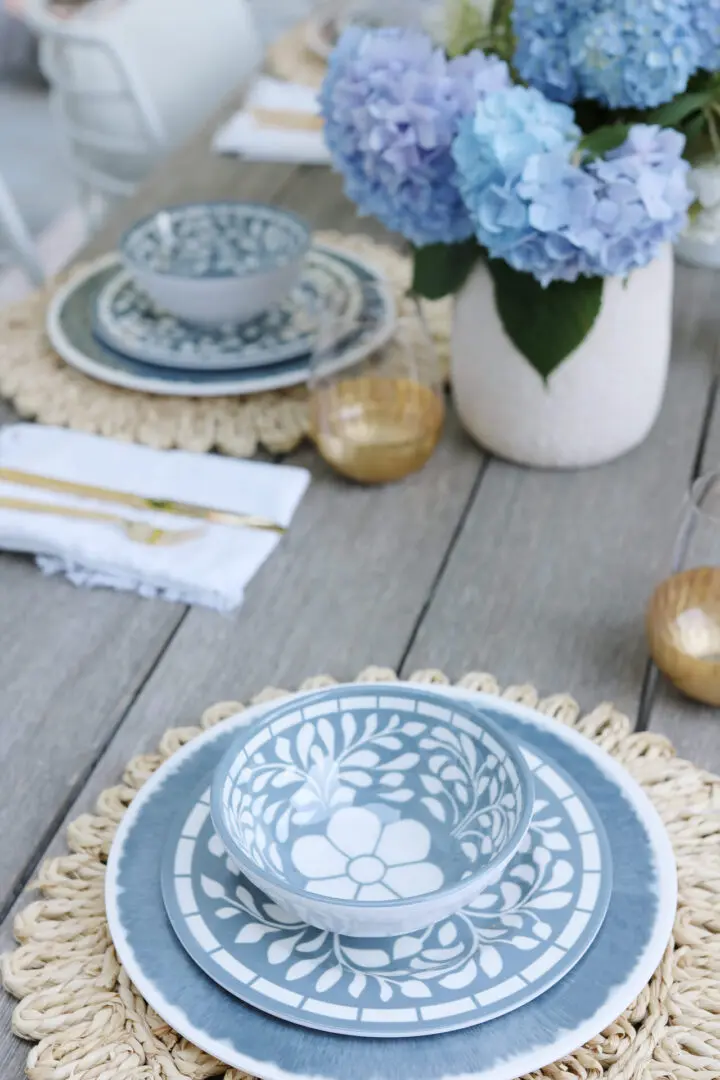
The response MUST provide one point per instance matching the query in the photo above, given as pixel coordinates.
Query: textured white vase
(699, 245)
(601, 401)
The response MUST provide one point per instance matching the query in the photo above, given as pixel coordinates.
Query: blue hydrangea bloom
(392, 104)
(634, 53)
(539, 206)
(542, 55)
(706, 23)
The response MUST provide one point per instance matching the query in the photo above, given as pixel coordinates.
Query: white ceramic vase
(699, 244)
(603, 399)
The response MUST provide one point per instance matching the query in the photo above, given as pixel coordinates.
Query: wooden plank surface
(531, 575)
(551, 574)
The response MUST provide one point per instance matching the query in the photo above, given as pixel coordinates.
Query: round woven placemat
(43, 387)
(90, 1023)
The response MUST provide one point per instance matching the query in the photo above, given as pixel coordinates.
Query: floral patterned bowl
(372, 814)
(213, 264)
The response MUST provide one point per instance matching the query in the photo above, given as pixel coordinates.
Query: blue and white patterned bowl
(372, 814)
(213, 264)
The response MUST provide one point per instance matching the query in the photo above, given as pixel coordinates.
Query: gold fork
(138, 531)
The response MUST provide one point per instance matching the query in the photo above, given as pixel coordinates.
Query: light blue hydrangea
(706, 23)
(512, 131)
(392, 104)
(635, 53)
(537, 204)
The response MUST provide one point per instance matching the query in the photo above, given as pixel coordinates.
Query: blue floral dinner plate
(510, 945)
(127, 320)
(614, 970)
(70, 327)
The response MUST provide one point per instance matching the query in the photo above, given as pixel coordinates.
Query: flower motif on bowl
(360, 858)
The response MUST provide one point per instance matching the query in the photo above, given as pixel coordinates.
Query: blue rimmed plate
(70, 327)
(514, 942)
(127, 320)
(602, 984)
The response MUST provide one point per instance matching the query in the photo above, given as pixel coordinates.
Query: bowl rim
(134, 264)
(473, 712)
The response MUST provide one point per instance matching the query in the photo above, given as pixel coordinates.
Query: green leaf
(442, 269)
(677, 110)
(605, 138)
(547, 324)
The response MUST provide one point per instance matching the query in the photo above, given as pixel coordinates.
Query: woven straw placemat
(89, 1022)
(43, 387)
(290, 58)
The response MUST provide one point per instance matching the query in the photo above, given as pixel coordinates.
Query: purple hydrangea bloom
(642, 200)
(634, 53)
(392, 104)
(536, 204)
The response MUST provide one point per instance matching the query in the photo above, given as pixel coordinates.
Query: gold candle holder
(683, 626)
(683, 616)
(380, 419)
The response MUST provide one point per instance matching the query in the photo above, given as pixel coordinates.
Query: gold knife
(140, 502)
(288, 119)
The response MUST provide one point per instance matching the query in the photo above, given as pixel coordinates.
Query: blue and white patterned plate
(70, 322)
(614, 970)
(514, 942)
(127, 320)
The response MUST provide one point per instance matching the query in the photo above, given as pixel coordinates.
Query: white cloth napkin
(244, 135)
(212, 570)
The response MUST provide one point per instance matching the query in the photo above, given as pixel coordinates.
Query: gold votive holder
(683, 628)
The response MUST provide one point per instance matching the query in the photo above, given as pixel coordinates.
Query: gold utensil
(139, 502)
(138, 531)
(289, 119)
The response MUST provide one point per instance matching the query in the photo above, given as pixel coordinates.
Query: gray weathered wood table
(471, 565)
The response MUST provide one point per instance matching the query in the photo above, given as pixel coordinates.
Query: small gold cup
(381, 419)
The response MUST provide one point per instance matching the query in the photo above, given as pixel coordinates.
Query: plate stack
(209, 299)
(380, 881)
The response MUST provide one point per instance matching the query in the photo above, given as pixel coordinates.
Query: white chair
(17, 247)
(130, 79)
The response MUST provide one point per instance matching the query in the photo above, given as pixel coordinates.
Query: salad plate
(127, 320)
(603, 983)
(71, 326)
(516, 939)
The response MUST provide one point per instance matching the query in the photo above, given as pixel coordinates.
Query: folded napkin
(212, 570)
(268, 128)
